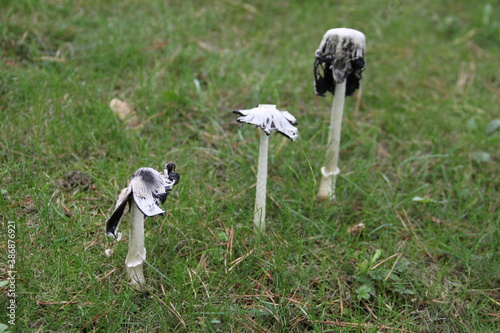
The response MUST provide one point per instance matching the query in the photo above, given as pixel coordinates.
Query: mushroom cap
(148, 188)
(341, 57)
(268, 118)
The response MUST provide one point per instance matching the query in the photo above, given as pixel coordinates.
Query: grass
(430, 90)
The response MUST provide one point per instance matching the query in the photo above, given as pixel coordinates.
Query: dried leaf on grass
(125, 112)
(356, 229)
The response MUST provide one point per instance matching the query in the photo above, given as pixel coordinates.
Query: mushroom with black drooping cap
(267, 117)
(145, 192)
(337, 69)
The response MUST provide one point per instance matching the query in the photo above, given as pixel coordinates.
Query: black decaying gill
(323, 76)
(339, 57)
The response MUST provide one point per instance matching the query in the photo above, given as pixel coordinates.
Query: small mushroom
(145, 192)
(268, 118)
(337, 69)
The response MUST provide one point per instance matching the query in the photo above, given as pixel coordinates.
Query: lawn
(419, 167)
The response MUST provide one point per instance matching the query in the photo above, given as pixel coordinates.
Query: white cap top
(342, 45)
(268, 118)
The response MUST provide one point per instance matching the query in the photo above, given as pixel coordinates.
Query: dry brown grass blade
(466, 77)
(369, 309)
(387, 259)
(171, 308)
(255, 327)
(393, 266)
(89, 286)
(235, 262)
(413, 233)
(360, 325)
(176, 313)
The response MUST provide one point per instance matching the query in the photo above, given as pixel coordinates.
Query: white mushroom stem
(260, 194)
(330, 170)
(136, 250)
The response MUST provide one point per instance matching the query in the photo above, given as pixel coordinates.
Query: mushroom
(337, 69)
(145, 192)
(268, 118)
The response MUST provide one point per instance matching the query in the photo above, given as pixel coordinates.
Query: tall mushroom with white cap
(337, 69)
(268, 118)
(145, 192)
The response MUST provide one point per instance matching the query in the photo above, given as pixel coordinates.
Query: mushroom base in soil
(147, 189)
(266, 117)
(337, 69)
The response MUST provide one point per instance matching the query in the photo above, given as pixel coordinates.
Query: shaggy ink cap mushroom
(267, 117)
(147, 189)
(337, 68)
(340, 57)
